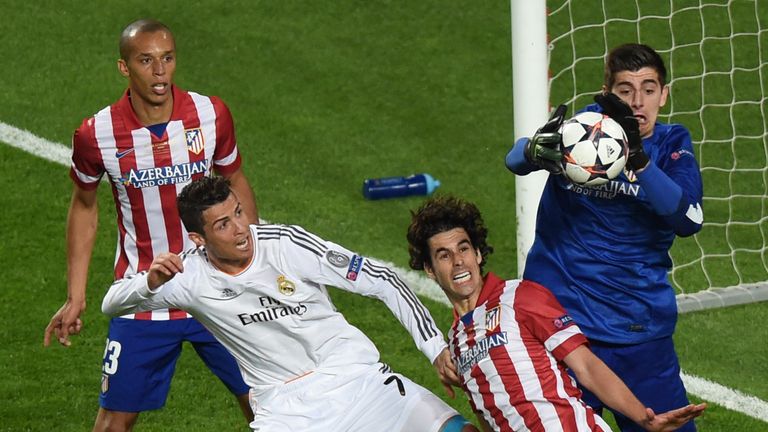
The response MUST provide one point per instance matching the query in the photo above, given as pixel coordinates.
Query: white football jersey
(276, 316)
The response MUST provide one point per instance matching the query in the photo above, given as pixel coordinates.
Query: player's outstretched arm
(163, 268)
(675, 195)
(593, 374)
(140, 292)
(82, 222)
(672, 420)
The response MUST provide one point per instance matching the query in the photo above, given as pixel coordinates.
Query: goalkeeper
(605, 256)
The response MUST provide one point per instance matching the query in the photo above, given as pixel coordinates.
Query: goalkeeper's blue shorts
(651, 370)
(140, 358)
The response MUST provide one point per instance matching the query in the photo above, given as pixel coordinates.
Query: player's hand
(446, 370)
(543, 149)
(66, 321)
(671, 420)
(163, 268)
(622, 113)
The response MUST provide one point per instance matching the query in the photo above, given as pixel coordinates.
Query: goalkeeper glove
(622, 113)
(544, 148)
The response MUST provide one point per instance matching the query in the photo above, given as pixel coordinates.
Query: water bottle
(391, 187)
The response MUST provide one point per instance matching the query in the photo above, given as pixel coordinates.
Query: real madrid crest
(285, 286)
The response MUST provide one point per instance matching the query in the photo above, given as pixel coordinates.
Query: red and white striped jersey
(509, 353)
(147, 172)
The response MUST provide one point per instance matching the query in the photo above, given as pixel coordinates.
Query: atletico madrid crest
(492, 318)
(195, 140)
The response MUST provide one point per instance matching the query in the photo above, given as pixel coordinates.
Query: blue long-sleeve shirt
(604, 251)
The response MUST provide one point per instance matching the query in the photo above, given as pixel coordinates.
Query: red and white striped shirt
(147, 172)
(509, 352)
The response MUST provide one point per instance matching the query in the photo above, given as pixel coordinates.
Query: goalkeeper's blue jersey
(604, 251)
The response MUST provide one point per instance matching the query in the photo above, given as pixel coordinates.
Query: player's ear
(664, 94)
(197, 239)
(428, 270)
(123, 68)
(604, 89)
(479, 256)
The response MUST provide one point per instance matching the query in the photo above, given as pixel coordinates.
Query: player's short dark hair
(136, 27)
(633, 57)
(440, 214)
(198, 196)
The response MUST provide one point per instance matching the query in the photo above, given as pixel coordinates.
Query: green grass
(324, 94)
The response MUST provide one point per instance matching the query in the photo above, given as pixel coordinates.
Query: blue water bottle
(391, 187)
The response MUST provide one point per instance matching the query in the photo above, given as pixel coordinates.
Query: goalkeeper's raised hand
(622, 113)
(543, 149)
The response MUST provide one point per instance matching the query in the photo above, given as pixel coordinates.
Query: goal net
(716, 52)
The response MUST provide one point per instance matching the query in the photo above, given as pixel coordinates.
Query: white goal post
(716, 52)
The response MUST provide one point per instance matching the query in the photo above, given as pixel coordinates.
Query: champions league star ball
(594, 148)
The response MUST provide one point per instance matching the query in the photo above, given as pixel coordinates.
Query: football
(594, 148)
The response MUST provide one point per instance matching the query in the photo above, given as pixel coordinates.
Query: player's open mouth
(462, 277)
(159, 88)
(242, 244)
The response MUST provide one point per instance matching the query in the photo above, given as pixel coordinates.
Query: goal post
(531, 102)
(716, 52)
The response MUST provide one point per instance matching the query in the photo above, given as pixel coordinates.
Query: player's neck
(464, 305)
(230, 267)
(150, 114)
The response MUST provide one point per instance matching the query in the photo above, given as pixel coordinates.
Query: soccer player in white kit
(512, 341)
(260, 289)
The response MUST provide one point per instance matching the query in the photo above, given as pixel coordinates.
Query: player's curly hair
(444, 213)
(198, 196)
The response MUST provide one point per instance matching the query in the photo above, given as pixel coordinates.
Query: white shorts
(374, 400)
